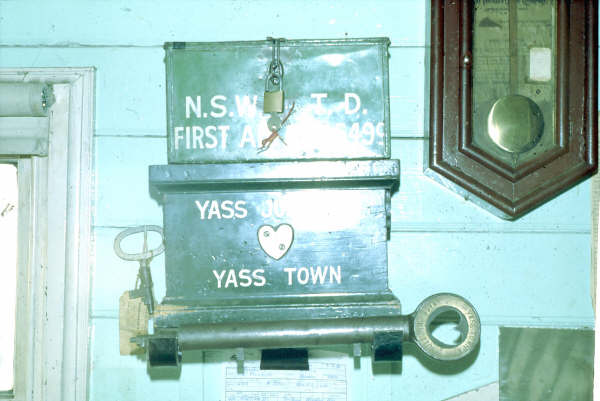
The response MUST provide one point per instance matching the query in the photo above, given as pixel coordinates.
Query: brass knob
(515, 123)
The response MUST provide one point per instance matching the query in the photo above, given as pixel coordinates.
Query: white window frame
(55, 244)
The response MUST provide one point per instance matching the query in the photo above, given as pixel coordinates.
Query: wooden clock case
(505, 190)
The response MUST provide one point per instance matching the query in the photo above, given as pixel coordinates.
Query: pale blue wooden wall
(531, 272)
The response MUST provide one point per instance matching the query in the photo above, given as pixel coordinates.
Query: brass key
(266, 143)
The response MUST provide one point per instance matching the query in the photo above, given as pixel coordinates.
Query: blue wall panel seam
(441, 231)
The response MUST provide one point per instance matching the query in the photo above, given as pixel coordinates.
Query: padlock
(273, 100)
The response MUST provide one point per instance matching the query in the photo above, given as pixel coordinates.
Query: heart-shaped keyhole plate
(275, 242)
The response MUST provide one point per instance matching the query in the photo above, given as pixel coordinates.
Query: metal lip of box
(303, 239)
(338, 89)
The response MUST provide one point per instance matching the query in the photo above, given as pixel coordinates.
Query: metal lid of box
(274, 175)
(335, 92)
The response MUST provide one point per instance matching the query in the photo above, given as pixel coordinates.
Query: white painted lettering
(318, 274)
(267, 211)
(227, 207)
(315, 275)
(379, 128)
(219, 277)
(215, 105)
(202, 208)
(319, 97)
(301, 271)
(244, 107)
(209, 133)
(272, 207)
(368, 131)
(277, 209)
(354, 133)
(247, 137)
(347, 98)
(289, 271)
(240, 209)
(197, 135)
(258, 276)
(231, 279)
(245, 280)
(214, 210)
(178, 136)
(335, 273)
(191, 106)
(224, 131)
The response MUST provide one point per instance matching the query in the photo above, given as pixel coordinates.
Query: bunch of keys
(144, 289)
(274, 97)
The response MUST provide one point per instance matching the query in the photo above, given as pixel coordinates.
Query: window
(53, 238)
(8, 273)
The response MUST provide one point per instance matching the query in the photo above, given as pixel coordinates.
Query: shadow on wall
(382, 368)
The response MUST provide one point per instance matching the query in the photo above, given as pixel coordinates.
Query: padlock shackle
(274, 82)
(275, 68)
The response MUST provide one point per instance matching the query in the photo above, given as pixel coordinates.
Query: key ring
(145, 254)
(469, 326)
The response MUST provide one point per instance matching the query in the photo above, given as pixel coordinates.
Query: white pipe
(25, 99)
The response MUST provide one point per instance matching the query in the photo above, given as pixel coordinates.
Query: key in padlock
(273, 100)
(274, 123)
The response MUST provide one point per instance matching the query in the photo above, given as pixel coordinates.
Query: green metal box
(338, 90)
(277, 237)
(276, 241)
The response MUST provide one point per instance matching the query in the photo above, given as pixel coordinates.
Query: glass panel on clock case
(514, 78)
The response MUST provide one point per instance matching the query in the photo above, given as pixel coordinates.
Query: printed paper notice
(540, 64)
(324, 381)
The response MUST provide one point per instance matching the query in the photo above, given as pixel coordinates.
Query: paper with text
(324, 381)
